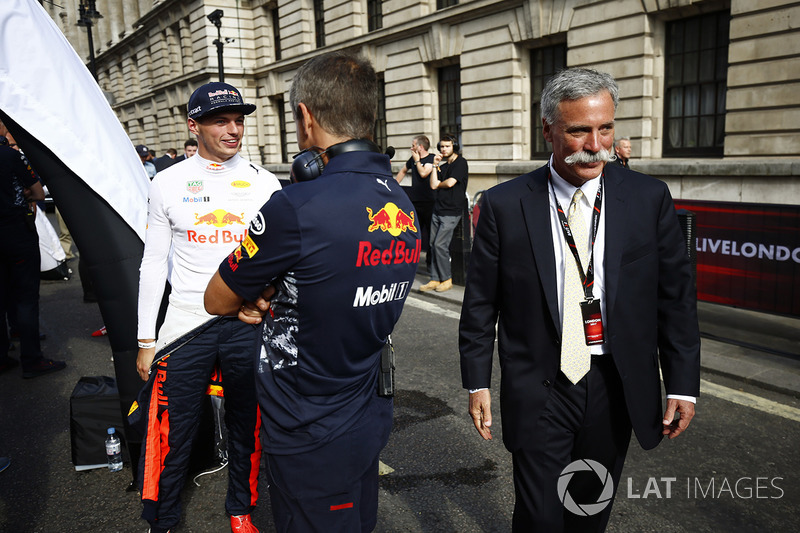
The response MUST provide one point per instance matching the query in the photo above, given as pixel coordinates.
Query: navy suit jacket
(651, 301)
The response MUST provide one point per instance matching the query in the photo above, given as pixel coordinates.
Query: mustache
(582, 156)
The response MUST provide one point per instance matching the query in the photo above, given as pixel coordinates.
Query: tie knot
(576, 200)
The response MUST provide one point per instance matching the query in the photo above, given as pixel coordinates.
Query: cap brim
(246, 109)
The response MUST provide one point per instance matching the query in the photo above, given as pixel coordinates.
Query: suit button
(546, 383)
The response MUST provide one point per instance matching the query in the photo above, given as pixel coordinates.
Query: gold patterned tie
(575, 354)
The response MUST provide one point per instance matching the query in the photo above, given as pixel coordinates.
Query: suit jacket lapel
(536, 212)
(617, 227)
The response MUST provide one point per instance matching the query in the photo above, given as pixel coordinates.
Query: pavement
(749, 346)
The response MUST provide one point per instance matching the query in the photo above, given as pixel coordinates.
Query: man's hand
(143, 362)
(437, 159)
(481, 412)
(253, 312)
(672, 427)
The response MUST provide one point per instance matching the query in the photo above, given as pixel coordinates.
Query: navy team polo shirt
(342, 251)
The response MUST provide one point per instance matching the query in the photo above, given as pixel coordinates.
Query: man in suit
(166, 160)
(623, 150)
(563, 400)
(189, 149)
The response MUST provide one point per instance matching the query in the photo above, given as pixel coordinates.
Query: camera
(216, 17)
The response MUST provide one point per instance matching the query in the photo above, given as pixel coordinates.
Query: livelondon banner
(748, 255)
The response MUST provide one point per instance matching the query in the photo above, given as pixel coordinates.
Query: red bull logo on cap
(392, 219)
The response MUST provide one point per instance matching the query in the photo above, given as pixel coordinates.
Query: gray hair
(616, 142)
(574, 84)
(341, 90)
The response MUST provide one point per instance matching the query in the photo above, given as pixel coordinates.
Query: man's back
(349, 248)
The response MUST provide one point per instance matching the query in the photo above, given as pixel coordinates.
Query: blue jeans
(442, 228)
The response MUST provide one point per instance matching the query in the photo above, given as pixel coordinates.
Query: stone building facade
(710, 89)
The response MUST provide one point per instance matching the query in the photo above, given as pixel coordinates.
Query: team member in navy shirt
(340, 253)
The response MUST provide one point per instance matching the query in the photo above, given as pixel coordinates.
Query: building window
(374, 15)
(319, 22)
(441, 4)
(379, 135)
(280, 110)
(696, 75)
(450, 101)
(276, 33)
(545, 62)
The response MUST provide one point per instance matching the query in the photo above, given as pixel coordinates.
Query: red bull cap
(217, 97)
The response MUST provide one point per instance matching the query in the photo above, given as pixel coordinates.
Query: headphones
(308, 165)
(450, 138)
(3, 140)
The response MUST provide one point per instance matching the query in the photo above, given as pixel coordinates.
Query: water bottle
(114, 451)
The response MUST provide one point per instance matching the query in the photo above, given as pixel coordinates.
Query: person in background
(166, 160)
(20, 261)
(622, 148)
(147, 160)
(189, 149)
(420, 166)
(449, 181)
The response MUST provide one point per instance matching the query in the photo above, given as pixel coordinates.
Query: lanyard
(586, 279)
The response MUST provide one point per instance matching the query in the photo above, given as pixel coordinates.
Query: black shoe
(7, 364)
(44, 366)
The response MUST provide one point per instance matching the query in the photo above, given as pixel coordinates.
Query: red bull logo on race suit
(219, 218)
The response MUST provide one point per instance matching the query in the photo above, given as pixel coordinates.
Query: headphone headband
(308, 164)
(449, 138)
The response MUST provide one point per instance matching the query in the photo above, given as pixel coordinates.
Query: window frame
(556, 55)
(700, 96)
(450, 85)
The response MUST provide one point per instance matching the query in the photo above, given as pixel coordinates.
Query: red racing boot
(242, 524)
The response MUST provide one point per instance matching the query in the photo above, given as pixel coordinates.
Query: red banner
(748, 255)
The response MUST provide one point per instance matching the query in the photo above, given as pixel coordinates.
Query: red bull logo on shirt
(397, 253)
(392, 219)
(225, 236)
(219, 218)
